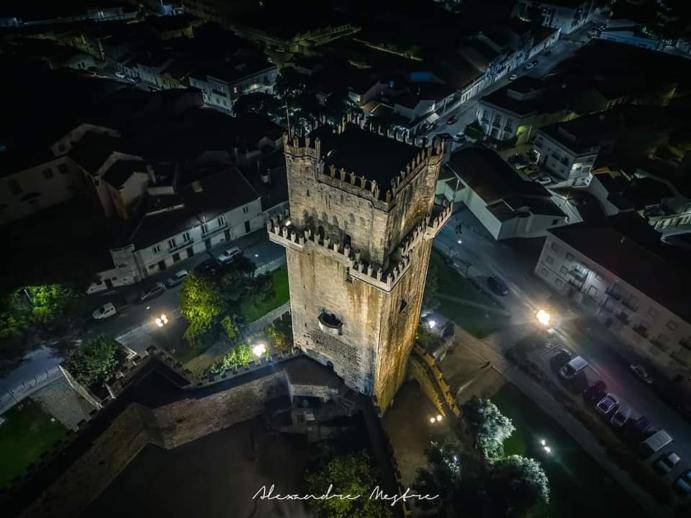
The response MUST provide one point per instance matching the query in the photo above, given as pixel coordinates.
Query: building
(513, 113)
(616, 270)
(506, 204)
(358, 240)
(176, 223)
(565, 15)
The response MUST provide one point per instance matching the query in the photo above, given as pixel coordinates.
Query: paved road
(134, 322)
(514, 263)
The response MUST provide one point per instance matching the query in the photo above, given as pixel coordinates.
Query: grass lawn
(464, 302)
(578, 486)
(24, 436)
(255, 309)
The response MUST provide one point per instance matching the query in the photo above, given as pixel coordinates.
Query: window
(205, 228)
(672, 325)
(245, 210)
(48, 173)
(549, 259)
(15, 188)
(563, 270)
(554, 247)
(221, 221)
(247, 227)
(63, 168)
(157, 249)
(186, 237)
(402, 305)
(171, 243)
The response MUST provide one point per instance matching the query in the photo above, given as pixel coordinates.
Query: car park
(573, 367)
(655, 443)
(666, 463)
(498, 286)
(640, 372)
(107, 310)
(151, 292)
(229, 255)
(176, 279)
(683, 483)
(607, 404)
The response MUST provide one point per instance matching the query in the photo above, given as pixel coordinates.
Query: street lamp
(432, 420)
(543, 317)
(439, 418)
(431, 324)
(162, 320)
(259, 350)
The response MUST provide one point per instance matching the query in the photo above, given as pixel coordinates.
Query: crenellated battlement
(281, 231)
(435, 222)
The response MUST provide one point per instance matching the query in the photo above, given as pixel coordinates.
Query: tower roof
(376, 157)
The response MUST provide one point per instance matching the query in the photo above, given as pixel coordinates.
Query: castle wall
(136, 426)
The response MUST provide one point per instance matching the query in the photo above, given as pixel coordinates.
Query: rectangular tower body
(358, 238)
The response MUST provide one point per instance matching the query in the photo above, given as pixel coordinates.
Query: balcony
(208, 233)
(329, 323)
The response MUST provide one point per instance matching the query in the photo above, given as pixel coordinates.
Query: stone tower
(358, 238)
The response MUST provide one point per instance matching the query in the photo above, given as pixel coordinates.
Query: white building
(507, 205)
(179, 223)
(635, 292)
(566, 157)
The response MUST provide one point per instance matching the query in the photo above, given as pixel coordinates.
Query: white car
(228, 256)
(607, 404)
(106, 311)
(641, 373)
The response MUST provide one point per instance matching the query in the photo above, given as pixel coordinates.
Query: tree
(200, 304)
(281, 335)
(488, 426)
(239, 356)
(290, 84)
(257, 103)
(352, 474)
(96, 360)
(231, 327)
(15, 317)
(516, 484)
(49, 302)
(442, 477)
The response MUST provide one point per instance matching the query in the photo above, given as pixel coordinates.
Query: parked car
(683, 483)
(534, 62)
(208, 267)
(107, 310)
(666, 463)
(96, 286)
(655, 443)
(573, 367)
(639, 429)
(452, 119)
(513, 77)
(607, 404)
(229, 255)
(497, 286)
(529, 66)
(641, 373)
(459, 137)
(151, 292)
(621, 416)
(176, 279)
(560, 359)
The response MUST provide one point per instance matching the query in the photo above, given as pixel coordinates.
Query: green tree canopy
(281, 335)
(50, 302)
(488, 426)
(352, 474)
(257, 103)
(200, 304)
(96, 360)
(239, 356)
(517, 484)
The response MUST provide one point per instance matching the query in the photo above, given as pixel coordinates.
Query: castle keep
(358, 238)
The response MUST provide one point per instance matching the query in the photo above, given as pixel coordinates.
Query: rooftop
(623, 246)
(376, 157)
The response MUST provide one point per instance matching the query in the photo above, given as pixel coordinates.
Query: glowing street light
(439, 418)
(259, 350)
(543, 442)
(432, 420)
(543, 317)
(547, 449)
(288, 223)
(162, 320)
(431, 324)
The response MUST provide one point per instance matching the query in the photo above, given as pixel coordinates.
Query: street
(134, 322)
(513, 262)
